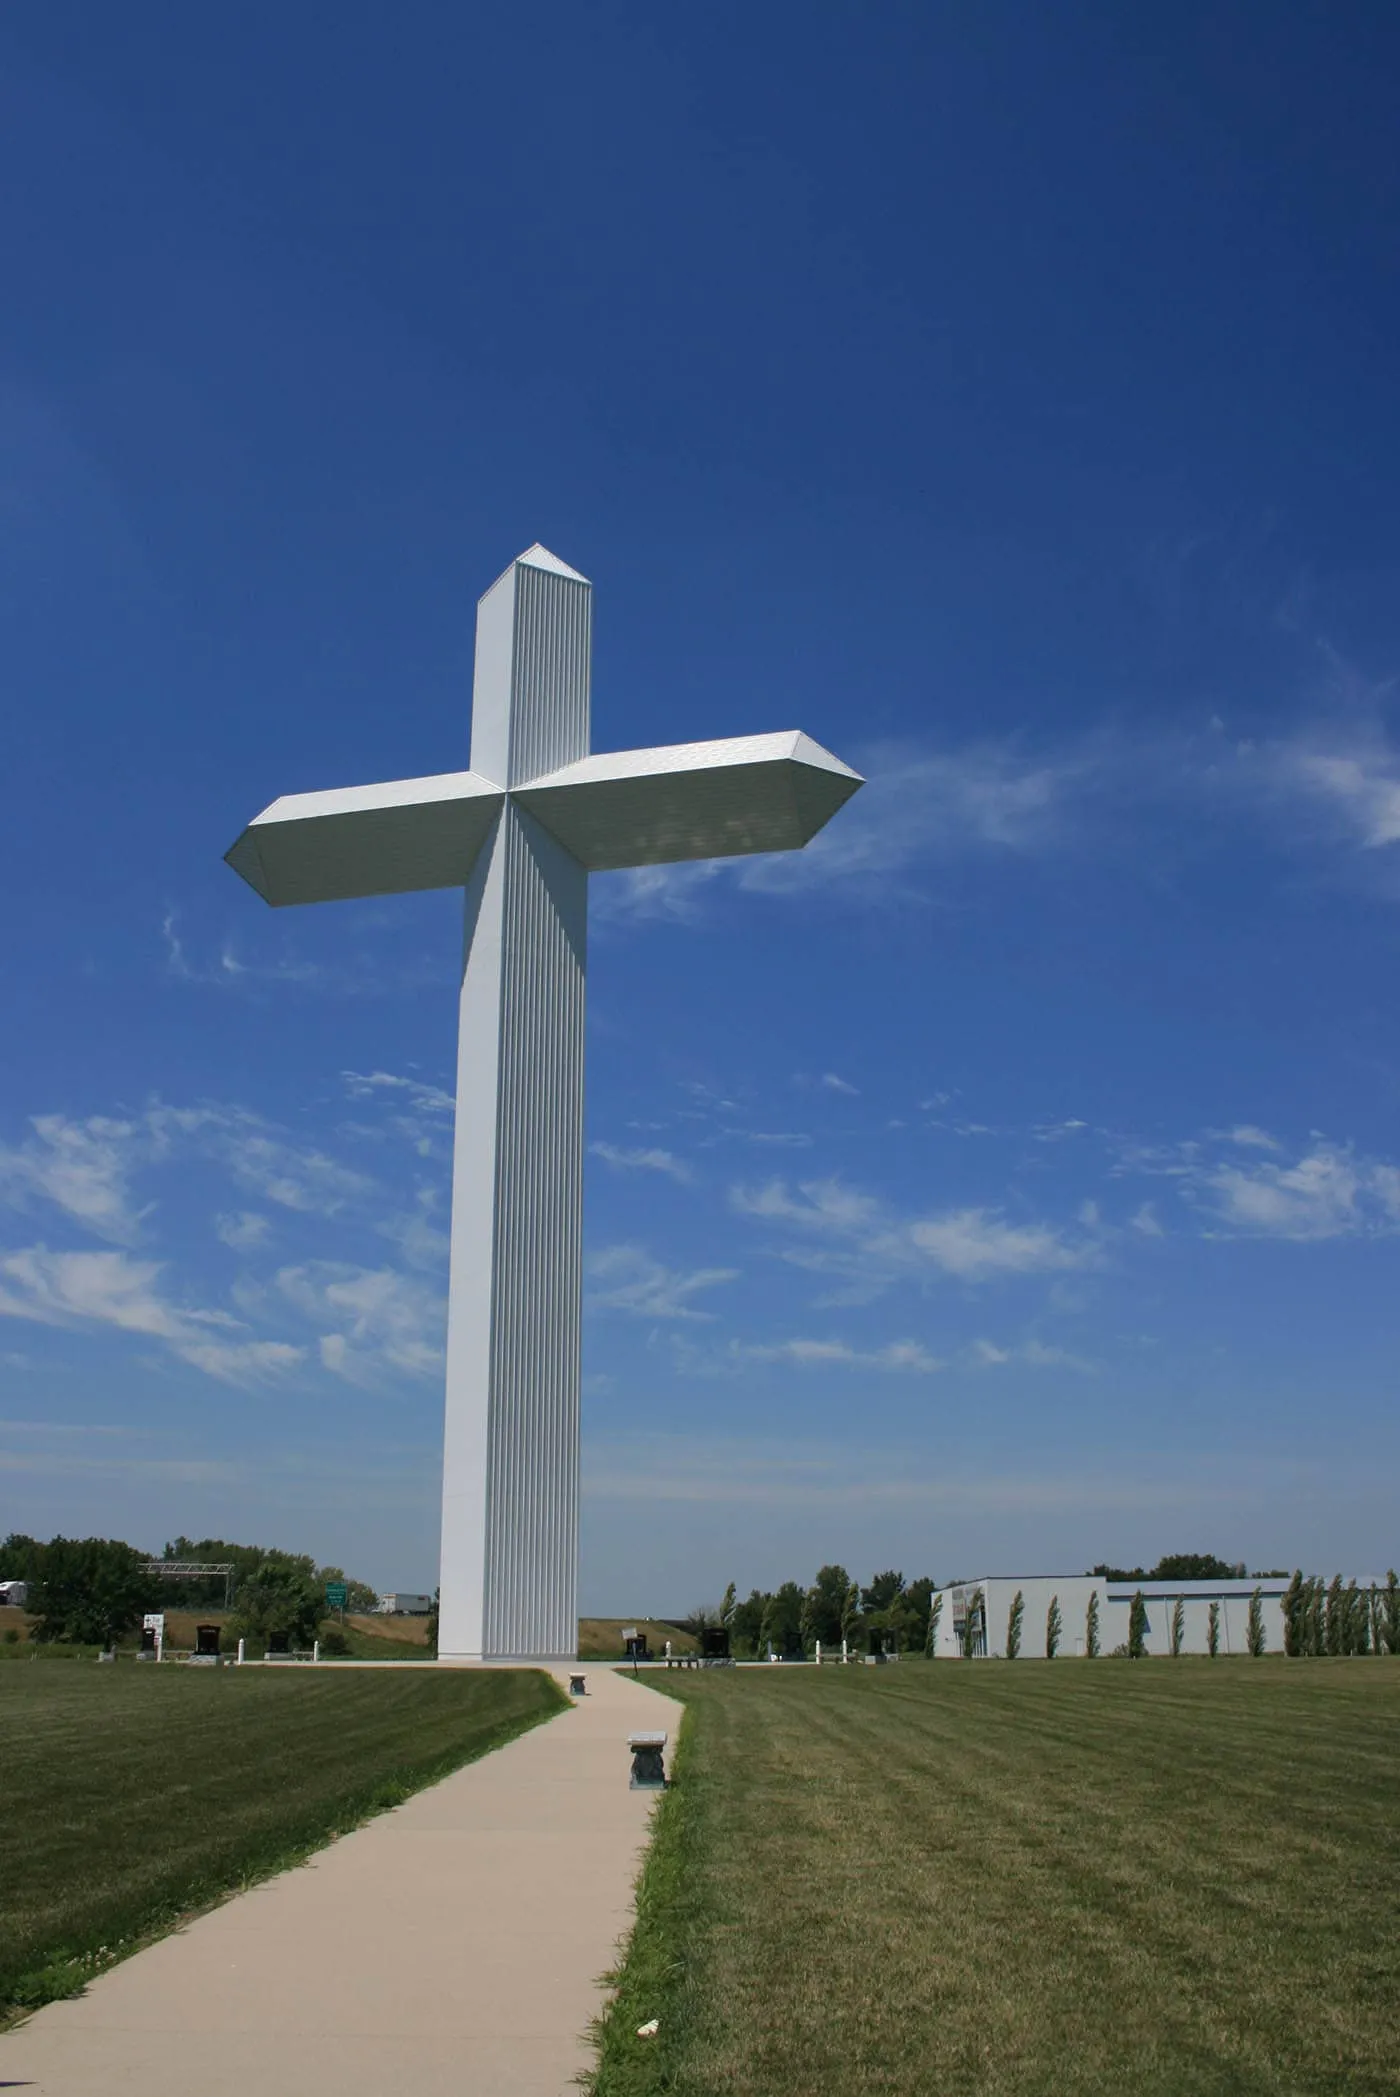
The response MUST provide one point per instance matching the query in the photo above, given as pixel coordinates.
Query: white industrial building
(1073, 1591)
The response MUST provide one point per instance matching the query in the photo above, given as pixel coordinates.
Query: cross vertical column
(511, 1444)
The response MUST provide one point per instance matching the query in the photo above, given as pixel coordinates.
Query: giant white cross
(522, 831)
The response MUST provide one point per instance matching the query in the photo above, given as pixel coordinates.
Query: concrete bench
(648, 1768)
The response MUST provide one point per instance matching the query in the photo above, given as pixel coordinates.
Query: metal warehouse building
(1073, 1592)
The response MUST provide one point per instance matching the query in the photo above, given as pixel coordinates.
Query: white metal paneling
(530, 697)
(756, 793)
(389, 839)
(532, 1496)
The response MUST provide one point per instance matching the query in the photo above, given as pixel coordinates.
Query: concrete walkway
(453, 1945)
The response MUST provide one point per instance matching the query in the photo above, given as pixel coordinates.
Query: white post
(844, 1654)
(819, 1652)
(239, 1661)
(315, 1651)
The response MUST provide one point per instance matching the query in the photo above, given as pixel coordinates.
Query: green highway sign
(335, 1594)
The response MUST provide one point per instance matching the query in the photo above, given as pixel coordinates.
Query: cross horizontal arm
(752, 793)
(367, 840)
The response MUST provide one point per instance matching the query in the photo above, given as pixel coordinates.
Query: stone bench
(648, 1768)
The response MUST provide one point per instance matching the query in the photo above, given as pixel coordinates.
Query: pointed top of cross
(538, 556)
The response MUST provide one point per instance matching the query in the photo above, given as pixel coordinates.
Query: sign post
(335, 1596)
(156, 1624)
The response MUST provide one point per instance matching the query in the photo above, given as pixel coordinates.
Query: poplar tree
(1255, 1638)
(1054, 1625)
(1316, 1641)
(935, 1612)
(1294, 1605)
(1213, 1631)
(1013, 1626)
(1091, 1627)
(807, 1621)
(728, 1606)
(1178, 1630)
(850, 1615)
(1334, 1616)
(1137, 1628)
(1390, 1612)
(1373, 1603)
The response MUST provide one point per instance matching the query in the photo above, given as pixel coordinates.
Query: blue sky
(1004, 397)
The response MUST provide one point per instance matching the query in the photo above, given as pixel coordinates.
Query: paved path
(452, 1945)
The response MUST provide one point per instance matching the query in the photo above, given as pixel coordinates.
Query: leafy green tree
(245, 1560)
(1054, 1628)
(786, 1628)
(747, 1628)
(727, 1608)
(1254, 1635)
(432, 1627)
(1137, 1627)
(20, 1557)
(280, 1606)
(1390, 1612)
(90, 1590)
(1335, 1616)
(850, 1615)
(935, 1615)
(1014, 1621)
(1178, 1627)
(829, 1591)
(1091, 1627)
(883, 1589)
(1376, 1618)
(914, 1615)
(1192, 1565)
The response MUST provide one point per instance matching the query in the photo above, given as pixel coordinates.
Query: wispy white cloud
(292, 1175)
(626, 1278)
(918, 805)
(429, 1099)
(113, 1289)
(1034, 1353)
(83, 1168)
(905, 1355)
(1323, 1195)
(368, 1320)
(855, 1237)
(1248, 1137)
(1324, 1190)
(833, 1083)
(242, 1230)
(643, 1160)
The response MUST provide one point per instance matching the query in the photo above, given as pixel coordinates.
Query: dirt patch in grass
(1048, 1880)
(136, 1794)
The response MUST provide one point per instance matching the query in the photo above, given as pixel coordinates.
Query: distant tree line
(94, 1590)
(891, 1614)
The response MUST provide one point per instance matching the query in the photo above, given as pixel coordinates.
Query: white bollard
(239, 1661)
(315, 1650)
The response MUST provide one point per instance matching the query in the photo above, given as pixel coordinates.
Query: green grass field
(1172, 1877)
(132, 1795)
